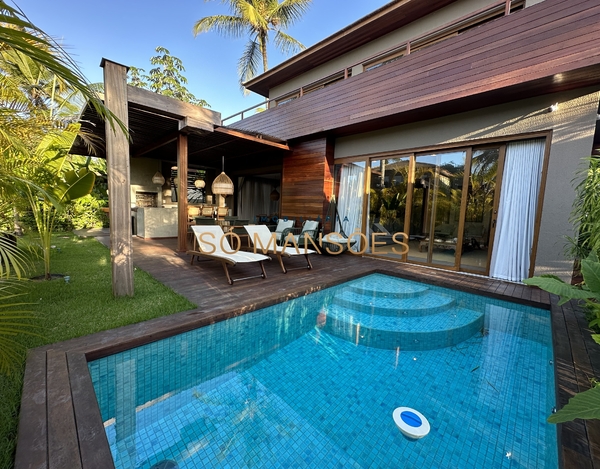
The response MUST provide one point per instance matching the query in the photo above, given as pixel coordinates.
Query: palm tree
(257, 18)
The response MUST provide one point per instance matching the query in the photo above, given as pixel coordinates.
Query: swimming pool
(313, 382)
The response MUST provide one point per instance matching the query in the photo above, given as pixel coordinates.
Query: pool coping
(60, 423)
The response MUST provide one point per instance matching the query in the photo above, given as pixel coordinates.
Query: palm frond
(12, 259)
(249, 62)
(225, 25)
(254, 18)
(14, 322)
(289, 12)
(287, 44)
(17, 32)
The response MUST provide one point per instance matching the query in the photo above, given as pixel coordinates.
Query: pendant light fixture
(158, 179)
(222, 185)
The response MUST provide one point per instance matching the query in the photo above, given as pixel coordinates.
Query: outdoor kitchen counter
(156, 222)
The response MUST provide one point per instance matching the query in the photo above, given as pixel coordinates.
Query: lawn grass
(80, 307)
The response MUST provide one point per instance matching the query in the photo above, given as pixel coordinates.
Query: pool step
(424, 303)
(392, 288)
(427, 332)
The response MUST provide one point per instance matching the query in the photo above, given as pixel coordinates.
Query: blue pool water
(313, 383)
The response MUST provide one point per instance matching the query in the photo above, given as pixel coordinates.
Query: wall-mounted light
(158, 179)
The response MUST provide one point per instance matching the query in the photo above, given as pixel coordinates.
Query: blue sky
(128, 31)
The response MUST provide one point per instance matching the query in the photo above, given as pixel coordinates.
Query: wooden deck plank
(93, 443)
(32, 444)
(63, 447)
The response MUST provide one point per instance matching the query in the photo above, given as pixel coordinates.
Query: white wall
(573, 126)
(398, 37)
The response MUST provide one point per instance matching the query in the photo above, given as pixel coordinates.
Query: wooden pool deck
(60, 424)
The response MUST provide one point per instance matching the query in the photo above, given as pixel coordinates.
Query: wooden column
(182, 203)
(117, 165)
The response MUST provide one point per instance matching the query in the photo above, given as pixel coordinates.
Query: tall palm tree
(257, 18)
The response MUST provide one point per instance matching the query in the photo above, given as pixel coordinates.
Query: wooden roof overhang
(155, 123)
(547, 48)
(386, 19)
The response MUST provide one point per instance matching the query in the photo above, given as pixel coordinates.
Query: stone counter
(155, 222)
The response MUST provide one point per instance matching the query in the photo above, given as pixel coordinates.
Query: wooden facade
(307, 180)
(546, 48)
(385, 20)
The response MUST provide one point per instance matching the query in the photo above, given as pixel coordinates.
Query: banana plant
(586, 404)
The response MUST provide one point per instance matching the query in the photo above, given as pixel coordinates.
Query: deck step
(425, 303)
(427, 332)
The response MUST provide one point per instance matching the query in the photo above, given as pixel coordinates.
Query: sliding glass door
(480, 214)
(387, 204)
(454, 208)
(436, 204)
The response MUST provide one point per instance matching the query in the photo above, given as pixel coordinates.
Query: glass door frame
(497, 142)
(469, 150)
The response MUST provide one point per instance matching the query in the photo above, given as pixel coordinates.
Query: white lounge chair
(264, 240)
(213, 244)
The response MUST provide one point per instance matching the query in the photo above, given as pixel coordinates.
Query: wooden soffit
(155, 121)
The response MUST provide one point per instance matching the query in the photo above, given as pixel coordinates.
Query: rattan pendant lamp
(222, 185)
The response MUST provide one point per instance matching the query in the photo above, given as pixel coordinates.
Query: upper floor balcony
(546, 48)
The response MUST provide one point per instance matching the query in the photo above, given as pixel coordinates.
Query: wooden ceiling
(154, 132)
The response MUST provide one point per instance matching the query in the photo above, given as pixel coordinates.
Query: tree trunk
(263, 49)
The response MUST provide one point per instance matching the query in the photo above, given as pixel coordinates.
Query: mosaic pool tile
(274, 389)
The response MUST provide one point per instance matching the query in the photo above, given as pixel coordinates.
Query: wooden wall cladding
(546, 48)
(307, 180)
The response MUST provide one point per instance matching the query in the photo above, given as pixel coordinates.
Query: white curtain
(255, 199)
(516, 213)
(350, 199)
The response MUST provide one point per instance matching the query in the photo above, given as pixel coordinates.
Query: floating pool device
(411, 423)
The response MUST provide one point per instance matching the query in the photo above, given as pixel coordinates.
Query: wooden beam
(182, 204)
(243, 136)
(119, 180)
(192, 124)
(170, 106)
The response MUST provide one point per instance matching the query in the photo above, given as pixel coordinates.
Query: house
(461, 123)
(449, 133)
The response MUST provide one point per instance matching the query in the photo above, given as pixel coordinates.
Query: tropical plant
(258, 19)
(585, 405)
(166, 78)
(59, 181)
(19, 34)
(585, 215)
(14, 321)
